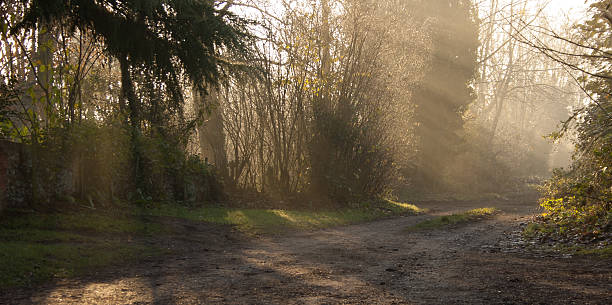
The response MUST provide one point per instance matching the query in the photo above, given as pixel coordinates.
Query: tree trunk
(211, 131)
(500, 94)
(128, 94)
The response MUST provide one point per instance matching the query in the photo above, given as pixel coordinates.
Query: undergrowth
(577, 208)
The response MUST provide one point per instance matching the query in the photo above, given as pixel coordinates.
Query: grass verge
(453, 219)
(37, 247)
(277, 220)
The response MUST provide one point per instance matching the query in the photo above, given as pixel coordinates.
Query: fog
(326, 100)
(470, 104)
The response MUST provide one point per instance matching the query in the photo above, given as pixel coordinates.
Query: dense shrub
(350, 159)
(578, 201)
(93, 164)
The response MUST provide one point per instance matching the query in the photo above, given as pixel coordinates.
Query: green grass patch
(26, 263)
(36, 247)
(534, 229)
(83, 221)
(603, 252)
(277, 220)
(453, 219)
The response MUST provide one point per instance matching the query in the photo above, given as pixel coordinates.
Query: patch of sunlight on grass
(276, 220)
(285, 215)
(35, 247)
(236, 217)
(403, 207)
(453, 219)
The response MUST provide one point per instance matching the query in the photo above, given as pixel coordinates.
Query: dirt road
(373, 263)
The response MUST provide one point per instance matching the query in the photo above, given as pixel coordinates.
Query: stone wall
(14, 168)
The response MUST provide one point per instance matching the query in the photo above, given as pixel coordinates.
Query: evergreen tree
(163, 38)
(165, 35)
(445, 91)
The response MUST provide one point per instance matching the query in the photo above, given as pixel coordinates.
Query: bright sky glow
(561, 12)
(566, 5)
(558, 11)
(573, 9)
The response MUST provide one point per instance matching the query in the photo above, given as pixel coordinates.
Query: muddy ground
(372, 263)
